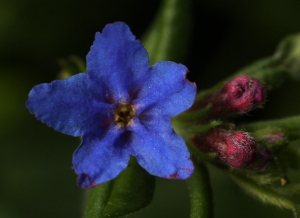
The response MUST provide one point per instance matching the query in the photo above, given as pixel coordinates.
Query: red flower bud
(239, 95)
(237, 149)
(242, 93)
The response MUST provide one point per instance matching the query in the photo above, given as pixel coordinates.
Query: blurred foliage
(35, 161)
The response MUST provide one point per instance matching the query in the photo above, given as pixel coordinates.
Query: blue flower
(121, 107)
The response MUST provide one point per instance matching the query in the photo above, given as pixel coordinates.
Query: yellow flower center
(124, 114)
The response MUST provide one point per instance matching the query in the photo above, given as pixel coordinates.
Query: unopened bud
(274, 138)
(238, 149)
(271, 137)
(242, 94)
(239, 95)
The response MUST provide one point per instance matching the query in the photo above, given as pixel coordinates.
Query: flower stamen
(124, 114)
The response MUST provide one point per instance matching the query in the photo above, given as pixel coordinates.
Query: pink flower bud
(239, 95)
(242, 93)
(237, 149)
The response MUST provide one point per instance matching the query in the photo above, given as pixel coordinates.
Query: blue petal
(118, 61)
(100, 157)
(69, 106)
(166, 90)
(159, 150)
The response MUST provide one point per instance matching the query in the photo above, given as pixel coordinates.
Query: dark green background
(36, 179)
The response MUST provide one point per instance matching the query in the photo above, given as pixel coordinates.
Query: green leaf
(168, 36)
(131, 191)
(266, 195)
(200, 192)
(98, 198)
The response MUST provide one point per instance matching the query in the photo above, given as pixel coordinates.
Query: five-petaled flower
(120, 107)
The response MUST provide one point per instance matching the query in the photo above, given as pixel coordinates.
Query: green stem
(201, 198)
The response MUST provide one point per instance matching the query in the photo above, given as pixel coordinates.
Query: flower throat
(124, 114)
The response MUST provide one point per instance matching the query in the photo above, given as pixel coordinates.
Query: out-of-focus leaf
(288, 55)
(71, 66)
(131, 191)
(168, 37)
